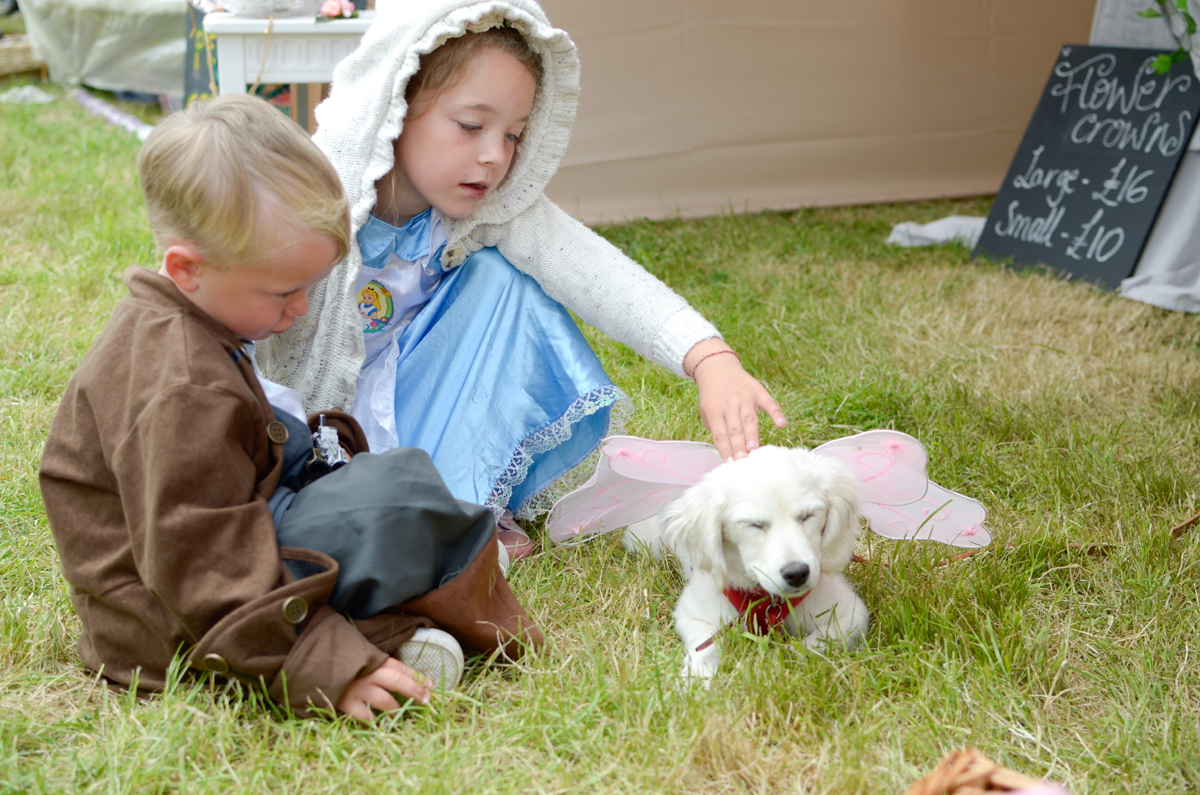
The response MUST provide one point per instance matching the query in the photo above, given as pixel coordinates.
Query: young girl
(444, 327)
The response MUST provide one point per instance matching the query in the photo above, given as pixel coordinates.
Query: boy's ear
(183, 264)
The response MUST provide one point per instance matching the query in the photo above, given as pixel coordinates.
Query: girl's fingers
(729, 430)
(729, 406)
(737, 440)
(721, 440)
(750, 423)
(768, 404)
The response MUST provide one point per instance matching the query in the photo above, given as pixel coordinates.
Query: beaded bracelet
(696, 366)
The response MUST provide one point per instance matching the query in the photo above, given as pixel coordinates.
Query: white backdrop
(701, 106)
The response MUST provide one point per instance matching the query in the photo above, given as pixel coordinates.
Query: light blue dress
(477, 366)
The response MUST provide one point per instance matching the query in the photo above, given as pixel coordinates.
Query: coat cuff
(289, 638)
(678, 335)
(329, 655)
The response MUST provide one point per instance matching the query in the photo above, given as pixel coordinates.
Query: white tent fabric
(118, 45)
(1168, 272)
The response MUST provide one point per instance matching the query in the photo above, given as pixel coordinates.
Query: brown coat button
(295, 609)
(277, 432)
(216, 663)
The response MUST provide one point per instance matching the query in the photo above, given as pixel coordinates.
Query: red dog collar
(762, 610)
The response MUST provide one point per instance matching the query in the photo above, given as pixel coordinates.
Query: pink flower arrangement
(334, 9)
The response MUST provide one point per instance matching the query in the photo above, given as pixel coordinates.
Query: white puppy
(777, 525)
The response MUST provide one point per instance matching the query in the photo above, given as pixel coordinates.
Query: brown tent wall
(697, 107)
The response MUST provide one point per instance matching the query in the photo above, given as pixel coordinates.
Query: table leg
(231, 63)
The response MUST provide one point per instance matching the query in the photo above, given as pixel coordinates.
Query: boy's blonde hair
(442, 68)
(213, 174)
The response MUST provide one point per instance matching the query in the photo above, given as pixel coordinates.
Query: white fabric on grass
(964, 229)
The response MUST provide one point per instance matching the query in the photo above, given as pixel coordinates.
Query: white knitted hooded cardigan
(322, 354)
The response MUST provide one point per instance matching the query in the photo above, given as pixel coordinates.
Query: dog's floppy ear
(841, 490)
(693, 523)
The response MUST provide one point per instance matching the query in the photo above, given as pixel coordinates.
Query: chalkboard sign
(1095, 163)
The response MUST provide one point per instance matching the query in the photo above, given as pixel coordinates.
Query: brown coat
(156, 476)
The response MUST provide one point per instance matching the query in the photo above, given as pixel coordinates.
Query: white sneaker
(437, 655)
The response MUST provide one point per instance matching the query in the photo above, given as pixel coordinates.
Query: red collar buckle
(763, 611)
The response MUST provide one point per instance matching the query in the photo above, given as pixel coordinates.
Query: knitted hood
(357, 126)
(365, 110)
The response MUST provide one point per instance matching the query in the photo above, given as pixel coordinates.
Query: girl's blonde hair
(443, 67)
(214, 174)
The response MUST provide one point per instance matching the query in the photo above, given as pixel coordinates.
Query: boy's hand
(374, 691)
(730, 398)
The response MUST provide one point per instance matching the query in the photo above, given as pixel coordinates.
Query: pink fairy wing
(676, 463)
(890, 464)
(634, 480)
(941, 515)
(899, 499)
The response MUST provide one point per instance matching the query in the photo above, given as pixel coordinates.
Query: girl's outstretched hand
(730, 398)
(376, 688)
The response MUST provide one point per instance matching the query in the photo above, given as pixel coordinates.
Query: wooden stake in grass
(1187, 524)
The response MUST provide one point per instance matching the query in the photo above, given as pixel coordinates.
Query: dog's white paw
(826, 640)
(820, 643)
(699, 672)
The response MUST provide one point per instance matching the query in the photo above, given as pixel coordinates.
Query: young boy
(177, 483)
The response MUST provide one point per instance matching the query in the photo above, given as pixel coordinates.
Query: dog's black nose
(795, 574)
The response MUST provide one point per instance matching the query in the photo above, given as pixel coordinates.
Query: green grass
(1071, 413)
(12, 24)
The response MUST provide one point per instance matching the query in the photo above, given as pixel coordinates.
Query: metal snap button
(295, 609)
(277, 432)
(216, 663)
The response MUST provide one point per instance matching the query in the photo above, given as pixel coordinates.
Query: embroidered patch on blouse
(375, 304)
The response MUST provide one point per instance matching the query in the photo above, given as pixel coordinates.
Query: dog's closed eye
(757, 524)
